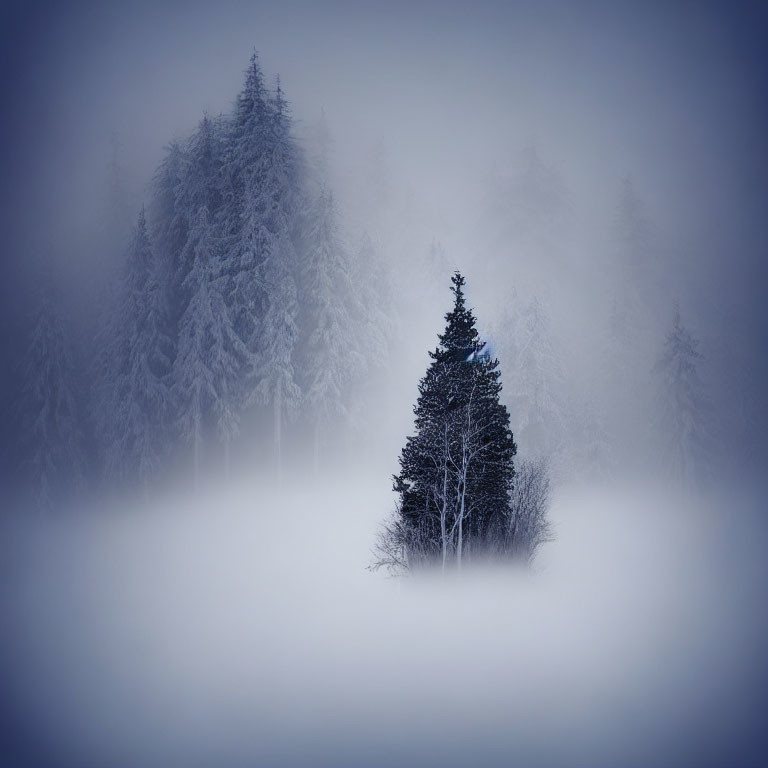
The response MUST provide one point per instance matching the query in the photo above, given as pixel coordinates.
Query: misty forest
(327, 444)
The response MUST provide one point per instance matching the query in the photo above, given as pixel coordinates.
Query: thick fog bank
(243, 628)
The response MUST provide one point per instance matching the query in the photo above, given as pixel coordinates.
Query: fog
(214, 630)
(599, 174)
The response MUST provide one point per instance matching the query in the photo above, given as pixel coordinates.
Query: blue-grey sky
(674, 93)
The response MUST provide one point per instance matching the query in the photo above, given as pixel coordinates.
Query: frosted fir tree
(282, 205)
(210, 353)
(275, 372)
(51, 439)
(372, 284)
(332, 359)
(169, 224)
(248, 234)
(140, 399)
(681, 408)
(200, 184)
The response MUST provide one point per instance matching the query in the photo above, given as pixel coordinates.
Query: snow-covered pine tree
(456, 472)
(210, 353)
(140, 399)
(681, 408)
(283, 206)
(169, 224)
(247, 237)
(277, 387)
(51, 441)
(372, 284)
(331, 346)
(331, 358)
(200, 186)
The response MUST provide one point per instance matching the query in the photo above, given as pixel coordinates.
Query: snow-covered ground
(240, 627)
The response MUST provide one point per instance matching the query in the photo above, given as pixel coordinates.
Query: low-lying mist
(240, 626)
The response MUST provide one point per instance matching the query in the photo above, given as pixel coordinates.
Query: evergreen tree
(51, 440)
(456, 472)
(275, 370)
(210, 353)
(282, 207)
(169, 225)
(248, 237)
(681, 407)
(199, 187)
(374, 318)
(140, 399)
(331, 357)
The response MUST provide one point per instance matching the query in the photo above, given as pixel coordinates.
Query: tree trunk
(444, 510)
(460, 543)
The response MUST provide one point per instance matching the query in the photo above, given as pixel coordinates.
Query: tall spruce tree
(247, 236)
(199, 187)
(210, 353)
(331, 357)
(457, 471)
(140, 396)
(169, 224)
(281, 207)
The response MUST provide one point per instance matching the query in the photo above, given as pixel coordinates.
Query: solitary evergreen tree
(456, 472)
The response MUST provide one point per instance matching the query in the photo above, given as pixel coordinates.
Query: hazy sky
(674, 93)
